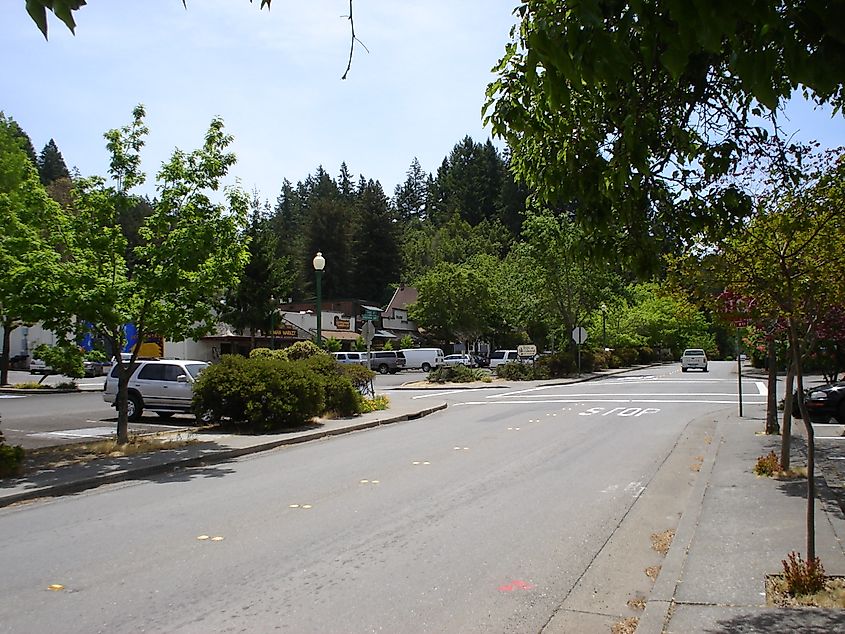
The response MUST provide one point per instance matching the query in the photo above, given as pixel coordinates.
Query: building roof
(402, 297)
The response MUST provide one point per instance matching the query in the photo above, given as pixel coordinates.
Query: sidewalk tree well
(635, 109)
(29, 219)
(190, 248)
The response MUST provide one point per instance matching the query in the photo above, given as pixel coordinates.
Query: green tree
(191, 248)
(569, 284)
(51, 164)
(632, 111)
(410, 197)
(782, 260)
(455, 303)
(63, 10)
(27, 242)
(266, 280)
(375, 240)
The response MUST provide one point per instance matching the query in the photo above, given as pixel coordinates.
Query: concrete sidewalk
(737, 529)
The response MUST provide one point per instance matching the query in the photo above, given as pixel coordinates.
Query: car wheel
(205, 418)
(705, 368)
(382, 369)
(426, 367)
(165, 414)
(841, 416)
(134, 407)
(683, 369)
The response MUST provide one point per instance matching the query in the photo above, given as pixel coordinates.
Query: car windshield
(195, 368)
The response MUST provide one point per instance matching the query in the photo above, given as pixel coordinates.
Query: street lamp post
(272, 322)
(319, 264)
(603, 309)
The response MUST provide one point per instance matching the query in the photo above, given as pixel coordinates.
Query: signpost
(579, 336)
(368, 331)
(526, 351)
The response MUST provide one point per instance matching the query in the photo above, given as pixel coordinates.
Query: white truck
(426, 359)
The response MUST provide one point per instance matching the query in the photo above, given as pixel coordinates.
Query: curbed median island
(274, 390)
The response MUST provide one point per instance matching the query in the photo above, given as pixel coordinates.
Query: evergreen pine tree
(51, 165)
(24, 141)
(376, 244)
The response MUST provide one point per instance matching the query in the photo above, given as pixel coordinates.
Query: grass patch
(662, 541)
(80, 453)
(769, 466)
(637, 603)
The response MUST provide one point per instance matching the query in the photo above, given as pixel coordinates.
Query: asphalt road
(40, 420)
(485, 517)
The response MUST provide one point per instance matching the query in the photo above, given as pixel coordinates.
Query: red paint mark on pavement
(517, 584)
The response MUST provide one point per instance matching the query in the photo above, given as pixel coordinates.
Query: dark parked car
(823, 403)
(384, 361)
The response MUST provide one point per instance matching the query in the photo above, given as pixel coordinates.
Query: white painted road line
(650, 394)
(609, 400)
(761, 387)
(435, 394)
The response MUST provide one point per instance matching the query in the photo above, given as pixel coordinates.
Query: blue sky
(274, 78)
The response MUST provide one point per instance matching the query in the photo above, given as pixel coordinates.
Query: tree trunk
(811, 445)
(122, 401)
(772, 426)
(786, 437)
(4, 356)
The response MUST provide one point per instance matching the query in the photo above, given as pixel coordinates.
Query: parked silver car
(161, 386)
(384, 361)
(355, 358)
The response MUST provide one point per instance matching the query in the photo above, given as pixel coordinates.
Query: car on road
(163, 386)
(694, 358)
(384, 361)
(460, 359)
(823, 403)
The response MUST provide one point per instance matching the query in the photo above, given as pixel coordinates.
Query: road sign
(370, 315)
(526, 351)
(368, 331)
(579, 335)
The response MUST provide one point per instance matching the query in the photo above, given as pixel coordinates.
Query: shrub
(627, 356)
(333, 345)
(556, 365)
(266, 353)
(646, 355)
(303, 350)
(375, 404)
(456, 374)
(802, 577)
(361, 377)
(264, 393)
(11, 458)
(767, 465)
(340, 395)
(515, 371)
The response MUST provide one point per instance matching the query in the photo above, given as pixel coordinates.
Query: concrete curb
(213, 457)
(662, 595)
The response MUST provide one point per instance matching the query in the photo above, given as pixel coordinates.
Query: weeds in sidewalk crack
(637, 603)
(652, 571)
(626, 626)
(662, 541)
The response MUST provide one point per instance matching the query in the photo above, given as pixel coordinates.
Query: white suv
(161, 386)
(693, 358)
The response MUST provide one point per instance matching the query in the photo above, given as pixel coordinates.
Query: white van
(500, 357)
(427, 359)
